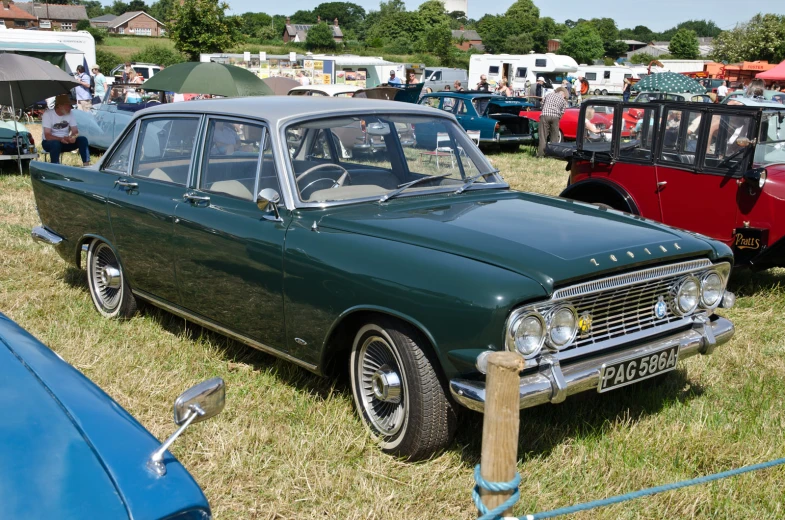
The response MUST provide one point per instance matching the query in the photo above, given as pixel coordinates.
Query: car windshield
(771, 142)
(364, 157)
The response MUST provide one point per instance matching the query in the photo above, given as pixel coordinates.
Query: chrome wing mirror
(267, 201)
(196, 404)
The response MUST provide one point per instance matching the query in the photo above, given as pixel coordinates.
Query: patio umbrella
(669, 82)
(281, 86)
(25, 80)
(208, 78)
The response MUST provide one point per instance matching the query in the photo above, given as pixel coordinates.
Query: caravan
(521, 70)
(605, 80)
(65, 49)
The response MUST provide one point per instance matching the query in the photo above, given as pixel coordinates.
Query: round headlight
(687, 296)
(529, 333)
(562, 327)
(711, 290)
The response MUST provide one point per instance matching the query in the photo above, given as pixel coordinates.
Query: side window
(432, 102)
(231, 158)
(437, 76)
(460, 108)
(119, 161)
(540, 62)
(164, 148)
(637, 135)
(627, 76)
(606, 74)
(448, 103)
(493, 69)
(520, 72)
(268, 177)
(591, 76)
(729, 141)
(320, 148)
(680, 135)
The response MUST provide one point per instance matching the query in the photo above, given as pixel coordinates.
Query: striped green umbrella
(670, 82)
(208, 78)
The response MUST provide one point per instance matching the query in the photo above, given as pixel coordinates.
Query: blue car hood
(68, 451)
(553, 241)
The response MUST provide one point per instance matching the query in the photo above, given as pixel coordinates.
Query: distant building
(54, 17)
(657, 49)
(13, 17)
(136, 23)
(553, 45)
(299, 32)
(101, 21)
(456, 5)
(632, 45)
(467, 39)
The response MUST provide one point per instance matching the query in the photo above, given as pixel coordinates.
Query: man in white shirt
(60, 132)
(722, 90)
(84, 99)
(304, 80)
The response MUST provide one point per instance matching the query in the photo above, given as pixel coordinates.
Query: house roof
(14, 12)
(127, 17)
(54, 11)
(632, 42)
(467, 34)
(104, 18)
(301, 31)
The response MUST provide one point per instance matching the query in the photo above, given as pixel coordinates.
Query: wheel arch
(604, 192)
(339, 338)
(85, 241)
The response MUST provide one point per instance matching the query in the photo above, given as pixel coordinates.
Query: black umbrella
(25, 80)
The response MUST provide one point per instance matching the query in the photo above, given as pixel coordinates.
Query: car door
(142, 205)
(105, 119)
(228, 252)
(697, 171)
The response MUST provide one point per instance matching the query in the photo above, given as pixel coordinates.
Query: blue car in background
(68, 451)
(487, 118)
(108, 119)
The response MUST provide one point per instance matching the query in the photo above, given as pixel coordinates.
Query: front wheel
(397, 391)
(109, 290)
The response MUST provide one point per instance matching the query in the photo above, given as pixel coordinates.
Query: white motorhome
(76, 47)
(522, 70)
(606, 80)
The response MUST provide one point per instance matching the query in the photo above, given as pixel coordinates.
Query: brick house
(136, 23)
(467, 39)
(13, 17)
(299, 32)
(53, 17)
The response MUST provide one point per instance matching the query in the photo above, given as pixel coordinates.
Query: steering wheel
(322, 167)
(335, 183)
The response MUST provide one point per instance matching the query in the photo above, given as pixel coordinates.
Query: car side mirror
(196, 404)
(267, 201)
(756, 177)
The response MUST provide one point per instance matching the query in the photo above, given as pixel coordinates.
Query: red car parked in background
(568, 124)
(717, 170)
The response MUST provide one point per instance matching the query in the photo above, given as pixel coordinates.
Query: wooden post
(501, 424)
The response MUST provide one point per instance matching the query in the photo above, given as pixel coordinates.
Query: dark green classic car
(260, 219)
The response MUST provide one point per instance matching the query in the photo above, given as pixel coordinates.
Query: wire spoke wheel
(381, 386)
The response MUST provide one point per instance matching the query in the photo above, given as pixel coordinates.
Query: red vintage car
(568, 124)
(717, 170)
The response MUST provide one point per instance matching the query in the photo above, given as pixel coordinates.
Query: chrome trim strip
(41, 234)
(555, 381)
(223, 330)
(633, 278)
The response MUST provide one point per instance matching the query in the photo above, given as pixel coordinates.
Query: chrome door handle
(661, 184)
(126, 183)
(196, 198)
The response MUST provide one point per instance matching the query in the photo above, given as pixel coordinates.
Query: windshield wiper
(472, 180)
(401, 188)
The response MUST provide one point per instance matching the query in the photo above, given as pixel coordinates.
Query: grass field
(127, 46)
(289, 444)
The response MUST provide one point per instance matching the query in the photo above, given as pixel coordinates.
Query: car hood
(68, 451)
(551, 240)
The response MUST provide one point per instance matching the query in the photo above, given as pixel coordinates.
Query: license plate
(623, 373)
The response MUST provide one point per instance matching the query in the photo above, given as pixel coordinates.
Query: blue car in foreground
(68, 451)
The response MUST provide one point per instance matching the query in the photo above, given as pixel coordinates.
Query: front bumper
(41, 234)
(553, 383)
(498, 138)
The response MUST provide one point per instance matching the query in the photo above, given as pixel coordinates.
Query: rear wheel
(597, 92)
(109, 290)
(397, 391)
(604, 92)
(561, 136)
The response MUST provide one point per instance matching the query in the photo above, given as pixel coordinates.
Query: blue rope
(496, 512)
(652, 491)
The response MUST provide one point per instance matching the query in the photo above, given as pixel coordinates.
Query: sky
(657, 15)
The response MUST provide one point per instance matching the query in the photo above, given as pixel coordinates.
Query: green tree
(320, 36)
(640, 33)
(702, 28)
(391, 7)
(520, 43)
(82, 25)
(303, 17)
(252, 23)
(267, 33)
(762, 38)
(162, 10)
(94, 8)
(202, 26)
(158, 54)
(99, 34)
(606, 28)
(495, 31)
(351, 17)
(397, 24)
(642, 58)
(684, 45)
(137, 5)
(583, 44)
(118, 8)
(438, 40)
(107, 60)
(525, 15)
(547, 29)
(432, 13)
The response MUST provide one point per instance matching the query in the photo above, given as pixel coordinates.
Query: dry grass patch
(289, 444)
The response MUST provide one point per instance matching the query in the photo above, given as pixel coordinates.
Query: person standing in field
(100, 84)
(553, 107)
(627, 90)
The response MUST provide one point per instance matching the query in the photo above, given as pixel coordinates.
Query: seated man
(61, 133)
(225, 139)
